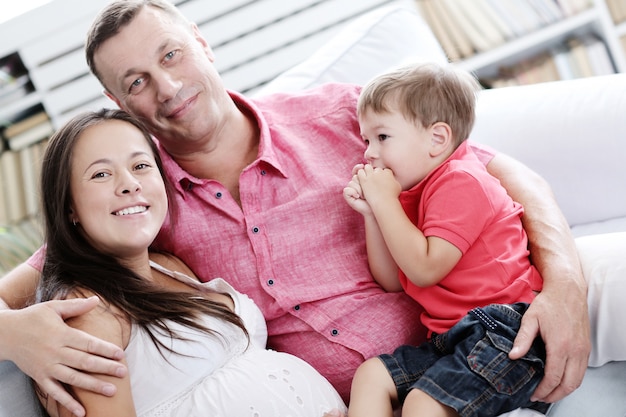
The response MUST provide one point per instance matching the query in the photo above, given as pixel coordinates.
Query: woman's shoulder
(179, 276)
(105, 321)
(171, 262)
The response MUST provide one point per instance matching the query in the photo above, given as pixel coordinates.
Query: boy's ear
(441, 138)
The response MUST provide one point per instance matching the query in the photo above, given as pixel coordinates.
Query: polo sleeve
(457, 208)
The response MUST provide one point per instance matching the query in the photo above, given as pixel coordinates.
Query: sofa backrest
(253, 42)
(571, 132)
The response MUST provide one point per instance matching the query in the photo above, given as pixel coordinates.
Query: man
(258, 189)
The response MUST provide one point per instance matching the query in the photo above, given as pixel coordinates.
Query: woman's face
(118, 195)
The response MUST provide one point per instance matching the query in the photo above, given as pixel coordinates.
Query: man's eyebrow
(159, 51)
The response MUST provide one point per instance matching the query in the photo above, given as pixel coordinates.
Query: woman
(191, 349)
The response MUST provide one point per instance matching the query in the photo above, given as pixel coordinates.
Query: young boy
(439, 227)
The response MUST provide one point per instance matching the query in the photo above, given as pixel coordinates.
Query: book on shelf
(560, 54)
(477, 25)
(568, 7)
(581, 5)
(30, 120)
(576, 58)
(581, 65)
(29, 179)
(439, 30)
(483, 6)
(34, 134)
(548, 11)
(12, 189)
(507, 14)
(454, 10)
(599, 57)
(14, 89)
(538, 69)
(460, 42)
(617, 10)
(4, 216)
(525, 14)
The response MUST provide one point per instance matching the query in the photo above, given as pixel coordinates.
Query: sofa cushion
(17, 397)
(603, 260)
(371, 44)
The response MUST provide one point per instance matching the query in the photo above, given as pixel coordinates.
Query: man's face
(161, 71)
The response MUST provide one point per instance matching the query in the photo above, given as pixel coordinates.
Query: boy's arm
(382, 266)
(381, 263)
(424, 261)
(37, 339)
(559, 313)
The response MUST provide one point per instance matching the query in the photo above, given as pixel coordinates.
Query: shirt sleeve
(458, 209)
(484, 153)
(36, 260)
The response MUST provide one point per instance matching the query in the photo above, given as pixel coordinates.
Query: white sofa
(571, 132)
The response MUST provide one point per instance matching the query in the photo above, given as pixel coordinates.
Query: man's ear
(441, 138)
(112, 98)
(205, 45)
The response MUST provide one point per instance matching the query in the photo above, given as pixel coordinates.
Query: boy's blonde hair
(426, 93)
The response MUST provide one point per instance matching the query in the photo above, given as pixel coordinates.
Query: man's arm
(37, 339)
(559, 313)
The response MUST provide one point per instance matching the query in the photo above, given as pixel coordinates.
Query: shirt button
(297, 307)
(255, 229)
(263, 172)
(218, 194)
(334, 332)
(270, 282)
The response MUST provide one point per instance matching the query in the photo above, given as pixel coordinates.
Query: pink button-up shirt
(294, 245)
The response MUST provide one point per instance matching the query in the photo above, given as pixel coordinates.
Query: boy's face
(399, 144)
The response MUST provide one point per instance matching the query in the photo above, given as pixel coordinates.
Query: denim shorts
(468, 368)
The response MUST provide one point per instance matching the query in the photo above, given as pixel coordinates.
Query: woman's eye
(100, 175)
(382, 137)
(142, 166)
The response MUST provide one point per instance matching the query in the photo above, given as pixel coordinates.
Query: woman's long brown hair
(72, 265)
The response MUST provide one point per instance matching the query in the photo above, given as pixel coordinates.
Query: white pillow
(603, 260)
(376, 42)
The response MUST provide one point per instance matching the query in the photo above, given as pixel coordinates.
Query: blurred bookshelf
(515, 42)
